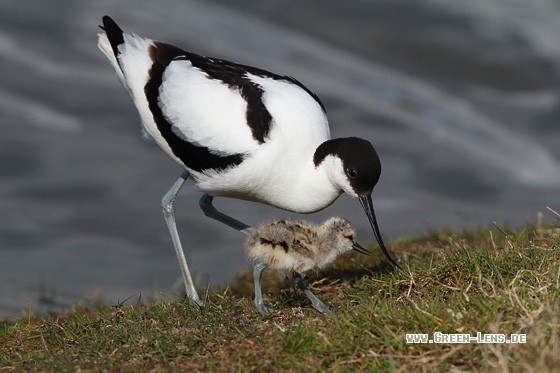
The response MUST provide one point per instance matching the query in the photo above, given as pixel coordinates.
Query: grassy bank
(488, 281)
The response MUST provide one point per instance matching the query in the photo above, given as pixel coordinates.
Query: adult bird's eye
(352, 173)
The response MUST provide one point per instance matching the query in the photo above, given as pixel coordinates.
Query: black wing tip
(110, 25)
(114, 33)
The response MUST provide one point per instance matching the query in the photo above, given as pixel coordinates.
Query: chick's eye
(352, 173)
(350, 237)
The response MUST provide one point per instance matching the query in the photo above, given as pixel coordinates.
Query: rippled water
(461, 100)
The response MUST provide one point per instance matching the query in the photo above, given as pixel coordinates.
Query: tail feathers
(129, 55)
(105, 46)
(114, 34)
(109, 42)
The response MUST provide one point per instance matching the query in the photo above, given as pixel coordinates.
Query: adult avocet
(239, 132)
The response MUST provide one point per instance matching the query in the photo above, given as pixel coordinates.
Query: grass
(488, 281)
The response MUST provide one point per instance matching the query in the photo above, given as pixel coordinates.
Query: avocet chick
(298, 246)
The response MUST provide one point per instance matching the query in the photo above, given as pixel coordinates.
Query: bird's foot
(264, 310)
(196, 303)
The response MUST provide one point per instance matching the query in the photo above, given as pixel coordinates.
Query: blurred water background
(461, 100)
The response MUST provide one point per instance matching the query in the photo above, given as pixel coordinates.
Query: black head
(360, 162)
(360, 173)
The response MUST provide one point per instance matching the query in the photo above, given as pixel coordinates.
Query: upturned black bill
(367, 205)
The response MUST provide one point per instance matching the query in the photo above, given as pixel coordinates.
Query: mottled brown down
(298, 245)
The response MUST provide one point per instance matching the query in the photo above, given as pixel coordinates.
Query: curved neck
(293, 183)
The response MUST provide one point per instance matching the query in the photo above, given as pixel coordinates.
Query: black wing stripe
(197, 158)
(258, 117)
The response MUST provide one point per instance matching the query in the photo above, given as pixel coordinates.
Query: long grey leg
(257, 274)
(317, 304)
(168, 205)
(210, 211)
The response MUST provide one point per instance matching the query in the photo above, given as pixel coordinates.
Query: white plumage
(198, 108)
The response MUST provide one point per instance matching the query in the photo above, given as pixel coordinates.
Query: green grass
(488, 281)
